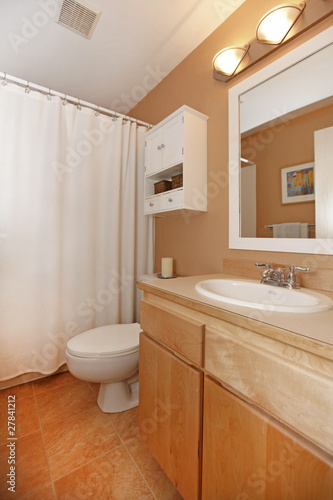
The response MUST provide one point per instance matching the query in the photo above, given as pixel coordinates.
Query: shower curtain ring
(97, 111)
(27, 88)
(4, 81)
(49, 97)
(78, 105)
(64, 101)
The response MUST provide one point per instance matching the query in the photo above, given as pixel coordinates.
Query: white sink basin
(261, 296)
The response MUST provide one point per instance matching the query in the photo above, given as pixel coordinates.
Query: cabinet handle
(159, 147)
(162, 145)
(151, 204)
(170, 200)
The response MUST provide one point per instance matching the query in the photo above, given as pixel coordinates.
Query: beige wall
(200, 244)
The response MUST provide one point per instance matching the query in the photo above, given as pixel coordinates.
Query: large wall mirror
(281, 153)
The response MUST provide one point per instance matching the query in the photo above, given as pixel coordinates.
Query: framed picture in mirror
(297, 184)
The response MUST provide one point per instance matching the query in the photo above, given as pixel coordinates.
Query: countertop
(315, 326)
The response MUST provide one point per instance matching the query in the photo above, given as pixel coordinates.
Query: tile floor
(67, 448)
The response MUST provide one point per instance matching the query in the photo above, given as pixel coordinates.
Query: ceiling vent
(79, 16)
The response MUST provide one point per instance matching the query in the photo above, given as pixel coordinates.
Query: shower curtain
(73, 237)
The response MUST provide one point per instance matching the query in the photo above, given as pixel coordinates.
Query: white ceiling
(135, 44)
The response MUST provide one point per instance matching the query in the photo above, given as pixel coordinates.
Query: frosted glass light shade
(227, 60)
(274, 26)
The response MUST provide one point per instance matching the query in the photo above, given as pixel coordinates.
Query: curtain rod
(74, 100)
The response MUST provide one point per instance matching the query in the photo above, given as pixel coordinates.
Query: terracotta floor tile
(78, 440)
(158, 481)
(53, 381)
(45, 493)
(26, 418)
(63, 402)
(95, 387)
(19, 391)
(176, 496)
(111, 477)
(126, 423)
(31, 470)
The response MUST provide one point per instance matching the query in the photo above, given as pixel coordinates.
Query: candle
(167, 267)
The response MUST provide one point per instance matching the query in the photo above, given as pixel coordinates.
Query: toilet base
(118, 396)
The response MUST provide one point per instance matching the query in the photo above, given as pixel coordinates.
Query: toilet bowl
(108, 355)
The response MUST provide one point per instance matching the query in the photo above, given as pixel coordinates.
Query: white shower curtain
(73, 237)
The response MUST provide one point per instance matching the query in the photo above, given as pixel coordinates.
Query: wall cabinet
(232, 413)
(177, 145)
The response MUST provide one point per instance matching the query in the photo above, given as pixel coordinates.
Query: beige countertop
(316, 326)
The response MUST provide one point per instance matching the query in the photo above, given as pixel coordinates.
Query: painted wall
(200, 244)
(292, 145)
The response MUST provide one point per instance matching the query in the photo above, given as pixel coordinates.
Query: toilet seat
(106, 341)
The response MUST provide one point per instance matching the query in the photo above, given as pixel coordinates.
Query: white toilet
(108, 355)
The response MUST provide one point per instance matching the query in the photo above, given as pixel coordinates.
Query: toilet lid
(105, 341)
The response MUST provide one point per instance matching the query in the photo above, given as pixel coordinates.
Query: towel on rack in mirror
(291, 230)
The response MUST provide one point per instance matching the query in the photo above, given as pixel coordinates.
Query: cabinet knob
(159, 147)
(162, 145)
(170, 200)
(151, 204)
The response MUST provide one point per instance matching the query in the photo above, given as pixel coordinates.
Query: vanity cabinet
(177, 145)
(231, 407)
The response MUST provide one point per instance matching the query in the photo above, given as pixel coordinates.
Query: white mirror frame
(315, 246)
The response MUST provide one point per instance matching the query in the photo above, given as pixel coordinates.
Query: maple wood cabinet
(246, 457)
(234, 412)
(171, 383)
(170, 415)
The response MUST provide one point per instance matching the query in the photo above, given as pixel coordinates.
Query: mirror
(280, 170)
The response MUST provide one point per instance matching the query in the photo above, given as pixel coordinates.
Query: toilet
(108, 355)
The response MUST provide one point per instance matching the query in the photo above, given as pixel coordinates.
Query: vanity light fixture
(275, 25)
(227, 60)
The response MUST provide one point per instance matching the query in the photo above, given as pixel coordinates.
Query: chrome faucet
(277, 277)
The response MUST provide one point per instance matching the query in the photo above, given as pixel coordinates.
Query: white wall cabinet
(177, 145)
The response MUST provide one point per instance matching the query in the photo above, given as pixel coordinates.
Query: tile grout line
(130, 455)
(132, 458)
(90, 462)
(45, 451)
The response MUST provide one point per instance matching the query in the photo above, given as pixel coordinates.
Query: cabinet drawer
(177, 332)
(172, 200)
(153, 205)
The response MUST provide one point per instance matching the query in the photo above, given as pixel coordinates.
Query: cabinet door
(153, 152)
(173, 141)
(245, 457)
(170, 415)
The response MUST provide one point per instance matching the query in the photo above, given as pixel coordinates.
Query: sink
(256, 295)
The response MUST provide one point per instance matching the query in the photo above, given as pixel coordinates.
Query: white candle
(167, 267)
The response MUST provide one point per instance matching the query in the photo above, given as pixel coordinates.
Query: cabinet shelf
(166, 173)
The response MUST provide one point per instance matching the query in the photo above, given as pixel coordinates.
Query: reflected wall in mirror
(281, 143)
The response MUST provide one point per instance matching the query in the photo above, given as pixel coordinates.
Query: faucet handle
(297, 268)
(292, 274)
